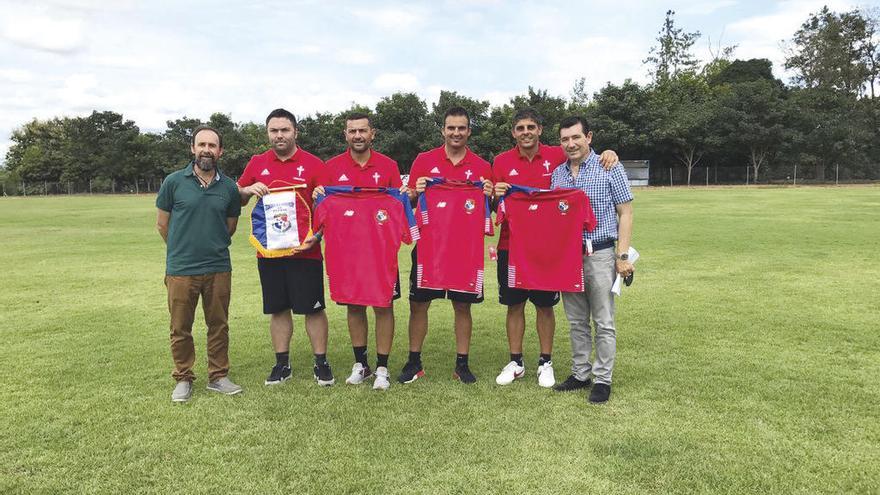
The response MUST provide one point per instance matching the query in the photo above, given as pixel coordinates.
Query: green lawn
(748, 362)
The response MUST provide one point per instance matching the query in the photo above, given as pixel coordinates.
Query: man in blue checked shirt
(611, 200)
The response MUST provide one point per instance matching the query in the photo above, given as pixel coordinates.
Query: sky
(155, 61)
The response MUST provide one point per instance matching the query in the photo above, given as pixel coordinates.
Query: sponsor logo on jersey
(563, 206)
(435, 170)
(441, 204)
(513, 173)
(342, 178)
(381, 217)
(348, 213)
(469, 205)
(533, 207)
(265, 171)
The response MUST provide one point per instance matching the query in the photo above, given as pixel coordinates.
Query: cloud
(355, 56)
(391, 19)
(396, 81)
(16, 75)
(38, 30)
(706, 8)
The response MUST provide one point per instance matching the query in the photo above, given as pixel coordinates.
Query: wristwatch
(623, 257)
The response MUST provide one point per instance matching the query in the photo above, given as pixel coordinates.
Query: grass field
(748, 362)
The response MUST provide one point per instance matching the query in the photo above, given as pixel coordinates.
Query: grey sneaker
(183, 391)
(225, 386)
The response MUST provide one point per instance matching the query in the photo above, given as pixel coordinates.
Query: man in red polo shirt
(362, 166)
(530, 163)
(292, 284)
(453, 161)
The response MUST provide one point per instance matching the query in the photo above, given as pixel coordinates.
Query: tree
(672, 56)
(622, 117)
(405, 128)
(834, 51)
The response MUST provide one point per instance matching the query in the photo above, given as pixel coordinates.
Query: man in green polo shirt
(198, 210)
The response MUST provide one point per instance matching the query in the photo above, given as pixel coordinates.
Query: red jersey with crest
(379, 171)
(303, 168)
(435, 164)
(515, 168)
(546, 237)
(453, 218)
(362, 235)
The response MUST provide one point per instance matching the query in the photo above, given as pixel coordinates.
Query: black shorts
(424, 295)
(294, 284)
(512, 297)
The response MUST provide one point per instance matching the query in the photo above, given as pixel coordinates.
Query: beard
(206, 163)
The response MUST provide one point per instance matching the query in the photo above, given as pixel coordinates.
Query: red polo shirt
(302, 168)
(515, 168)
(435, 163)
(379, 171)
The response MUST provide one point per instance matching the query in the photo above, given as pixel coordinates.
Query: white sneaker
(510, 373)
(359, 373)
(546, 378)
(382, 381)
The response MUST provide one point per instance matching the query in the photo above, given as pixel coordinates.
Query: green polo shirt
(198, 242)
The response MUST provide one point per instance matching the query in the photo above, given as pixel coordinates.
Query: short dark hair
(457, 112)
(573, 121)
(280, 113)
(201, 128)
(359, 116)
(527, 113)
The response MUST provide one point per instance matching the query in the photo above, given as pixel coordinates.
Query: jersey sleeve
(589, 218)
(247, 175)
(394, 172)
(416, 171)
(165, 198)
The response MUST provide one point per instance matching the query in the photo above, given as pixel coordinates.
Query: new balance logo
(435, 170)
(342, 178)
(441, 204)
(533, 207)
(265, 171)
(349, 213)
(513, 172)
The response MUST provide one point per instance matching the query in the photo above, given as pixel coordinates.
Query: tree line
(724, 113)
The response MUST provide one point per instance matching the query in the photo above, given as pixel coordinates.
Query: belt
(598, 246)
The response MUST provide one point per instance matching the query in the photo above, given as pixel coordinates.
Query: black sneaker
(463, 373)
(411, 372)
(601, 393)
(279, 374)
(324, 375)
(572, 383)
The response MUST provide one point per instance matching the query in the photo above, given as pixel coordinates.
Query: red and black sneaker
(411, 372)
(463, 373)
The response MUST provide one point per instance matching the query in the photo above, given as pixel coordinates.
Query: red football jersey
(435, 164)
(303, 168)
(379, 171)
(515, 168)
(362, 235)
(453, 217)
(546, 237)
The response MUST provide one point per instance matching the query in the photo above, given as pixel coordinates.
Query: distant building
(637, 171)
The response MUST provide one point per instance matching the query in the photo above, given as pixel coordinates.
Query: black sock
(321, 359)
(545, 358)
(415, 357)
(461, 360)
(517, 358)
(381, 360)
(360, 354)
(282, 358)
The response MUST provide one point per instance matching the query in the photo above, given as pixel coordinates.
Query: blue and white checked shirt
(606, 189)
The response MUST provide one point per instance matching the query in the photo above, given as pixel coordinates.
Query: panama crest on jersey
(381, 217)
(563, 206)
(469, 205)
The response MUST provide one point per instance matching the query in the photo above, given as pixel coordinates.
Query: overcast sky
(158, 60)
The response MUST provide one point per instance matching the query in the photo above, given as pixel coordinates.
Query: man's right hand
(318, 190)
(257, 189)
(420, 185)
(501, 189)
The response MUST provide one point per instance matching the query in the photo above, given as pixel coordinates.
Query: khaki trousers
(183, 296)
